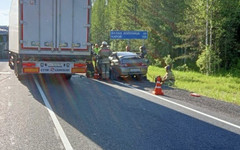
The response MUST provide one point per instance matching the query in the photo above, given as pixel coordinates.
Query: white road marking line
(12, 139)
(180, 105)
(59, 128)
(5, 73)
(4, 79)
(9, 104)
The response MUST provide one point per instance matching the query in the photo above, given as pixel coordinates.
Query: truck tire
(68, 76)
(10, 64)
(10, 61)
(17, 70)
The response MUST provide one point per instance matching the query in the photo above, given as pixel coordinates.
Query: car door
(114, 61)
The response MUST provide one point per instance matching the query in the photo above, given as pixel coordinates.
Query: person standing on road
(95, 53)
(143, 51)
(128, 48)
(96, 49)
(104, 63)
(168, 78)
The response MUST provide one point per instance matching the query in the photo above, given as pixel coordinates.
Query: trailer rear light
(79, 70)
(31, 70)
(79, 65)
(28, 64)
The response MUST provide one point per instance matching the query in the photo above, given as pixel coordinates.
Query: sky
(4, 11)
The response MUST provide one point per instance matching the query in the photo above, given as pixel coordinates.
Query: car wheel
(139, 77)
(144, 78)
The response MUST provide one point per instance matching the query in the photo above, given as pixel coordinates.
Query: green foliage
(151, 60)
(99, 22)
(235, 70)
(168, 60)
(229, 37)
(207, 61)
(187, 30)
(158, 62)
(202, 61)
(182, 68)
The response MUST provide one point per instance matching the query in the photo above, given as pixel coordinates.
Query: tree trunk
(206, 40)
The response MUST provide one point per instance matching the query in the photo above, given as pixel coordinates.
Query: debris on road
(195, 94)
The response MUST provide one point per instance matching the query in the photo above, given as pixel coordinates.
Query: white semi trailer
(49, 36)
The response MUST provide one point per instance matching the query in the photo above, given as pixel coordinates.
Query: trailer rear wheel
(17, 71)
(10, 61)
(10, 64)
(68, 76)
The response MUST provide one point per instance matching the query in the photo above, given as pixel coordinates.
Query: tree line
(197, 34)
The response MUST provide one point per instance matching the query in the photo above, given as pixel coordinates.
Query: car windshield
(126, 54)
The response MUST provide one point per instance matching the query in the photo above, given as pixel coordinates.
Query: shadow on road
(114, 119)
(143, 84)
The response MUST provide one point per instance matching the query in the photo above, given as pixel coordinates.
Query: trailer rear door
(72, 24)
(38, 24)
(60, 25)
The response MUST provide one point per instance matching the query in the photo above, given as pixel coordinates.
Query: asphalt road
(92, 114)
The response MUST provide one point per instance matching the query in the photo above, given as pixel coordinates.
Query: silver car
(127, 64)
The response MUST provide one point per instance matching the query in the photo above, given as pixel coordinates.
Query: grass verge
(225, 88)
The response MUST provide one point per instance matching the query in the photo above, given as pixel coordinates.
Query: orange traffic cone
(158, 88)
(96, 75)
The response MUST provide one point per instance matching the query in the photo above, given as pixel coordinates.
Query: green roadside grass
(218, 87)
